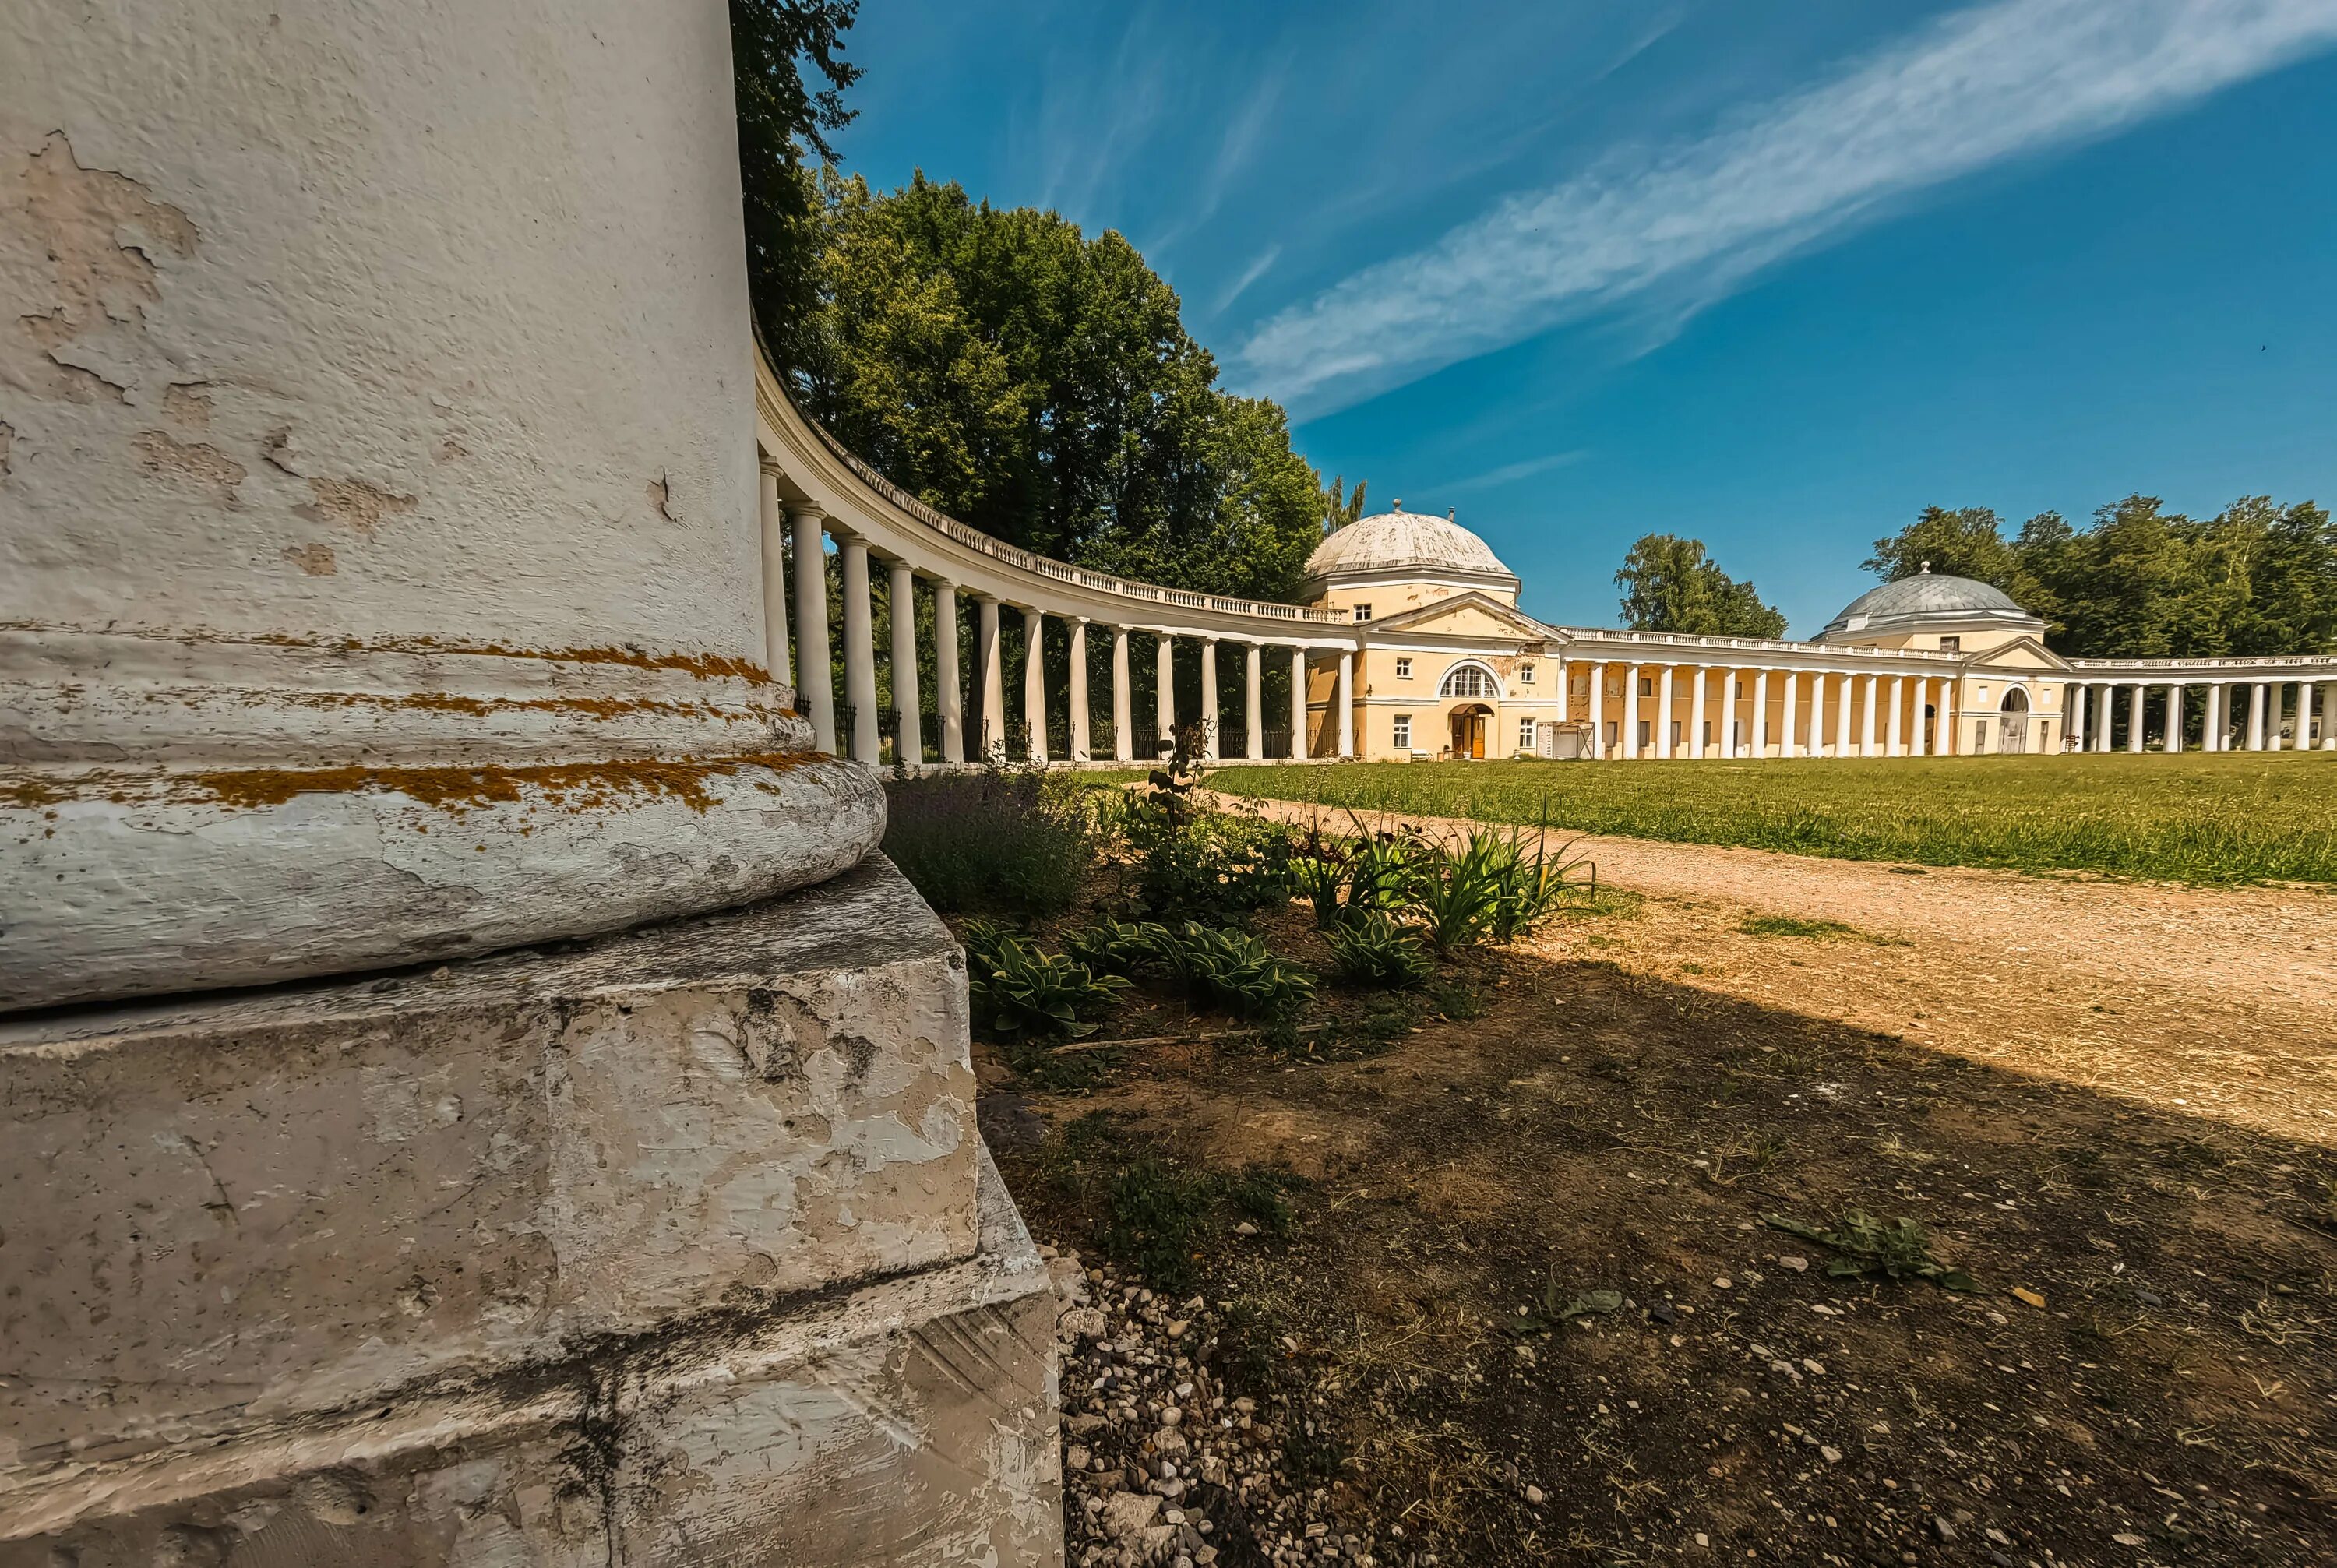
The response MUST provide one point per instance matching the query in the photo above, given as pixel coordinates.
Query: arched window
(2015, 702)
(1469, 680)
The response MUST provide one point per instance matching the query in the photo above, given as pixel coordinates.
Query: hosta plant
(1019, 989)
(1372, 949)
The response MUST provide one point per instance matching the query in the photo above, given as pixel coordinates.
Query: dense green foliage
(1013, 842)
(2140, 582)
(1670, 584)
(1040, 386)
(2195, 817)
(781, 118)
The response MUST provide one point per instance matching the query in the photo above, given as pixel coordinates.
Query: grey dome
(1406, 541)
(1926, 600)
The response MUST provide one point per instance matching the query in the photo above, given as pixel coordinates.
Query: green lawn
(2235, 817)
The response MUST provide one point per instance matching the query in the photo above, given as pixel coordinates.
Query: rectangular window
(1525, 672)
(1951, 644)
(1404, 669)
(1647, 732)
(1979, 735)
(1675, 734)
(1740, 690)
(1363, 611)
(1706, 741)
(1403, 731)
(1613, 729)
(1525, 734)
(1646, 685)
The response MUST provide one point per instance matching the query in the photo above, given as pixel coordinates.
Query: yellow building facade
(1448, 667)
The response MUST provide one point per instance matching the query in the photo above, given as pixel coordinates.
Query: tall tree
(1040, 386)
(1671, 585)
(2141, 581)
(1340, 509)
(781, 117)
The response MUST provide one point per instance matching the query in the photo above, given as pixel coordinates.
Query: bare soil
(2113, 1104)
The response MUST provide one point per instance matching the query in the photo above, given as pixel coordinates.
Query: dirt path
(2220, 1003)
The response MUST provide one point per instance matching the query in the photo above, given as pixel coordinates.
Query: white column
(2256, 699)
(775, 584)
(1841, 715)
(859, 648)
(1123, 744)
(1347, 703)
(1078, 685)
(993, 675)
(908, 739)
(949, 698)
(2109, 717)
(816, 668)
(1920, 740)
(2211, 732)
(1663, 712)
(1760, 714)
(1786, 744)
(1299, 750)
(1163, 680)
(1866, 718)
(1254, 694)
(2075, 725)
(2274, 711)
(1694, 729)
(2174, 719)
(1814, 728)
(1630, 738)
(1034, 683)
(1893, 732)
(2133, 696)
(1727, 721)
(2328, 716)
(1209, 747)
(1597, 711)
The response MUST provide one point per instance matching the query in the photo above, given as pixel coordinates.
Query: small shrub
(1199, 865)
(1015, 987)
(1233, 970)
(1455, 892)
(1458, 1000)
(992, 839)
(1898, 1249)
(1115, 947)
(1371, 949)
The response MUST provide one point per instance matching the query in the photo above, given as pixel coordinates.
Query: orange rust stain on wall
(575, 786)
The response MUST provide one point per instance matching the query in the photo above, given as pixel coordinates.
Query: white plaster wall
(424, 321)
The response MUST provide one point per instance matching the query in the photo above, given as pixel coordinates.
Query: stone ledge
(240, 1209)
(912, 1420)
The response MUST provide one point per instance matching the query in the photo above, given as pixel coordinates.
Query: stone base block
(674, 1247)
(909, 1422)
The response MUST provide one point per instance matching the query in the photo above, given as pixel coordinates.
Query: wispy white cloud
(1250, 274)
(1510, 472)
(1698, 218)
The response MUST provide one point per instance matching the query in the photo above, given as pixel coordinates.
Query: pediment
(2024, 652)
(1455, 614)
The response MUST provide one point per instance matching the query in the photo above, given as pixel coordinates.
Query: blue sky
(1773, 273)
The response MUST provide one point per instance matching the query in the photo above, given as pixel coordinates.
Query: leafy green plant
(1528, 893)
(1455, 891)
(1898, 1249)
(1233, 970)
(1017, 987)
(1372, 949)
(1789, 925)
(1556, 1306)
(1191, 864)
(991, 840)
(1114, 946)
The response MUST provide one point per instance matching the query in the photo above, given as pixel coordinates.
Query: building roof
(1404, 540)
(1926, 599)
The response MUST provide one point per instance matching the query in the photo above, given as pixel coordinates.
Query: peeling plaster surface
(456, 285)
(281, 1203)
(685, 1237)
(376, 397)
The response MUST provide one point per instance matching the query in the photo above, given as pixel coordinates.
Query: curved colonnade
(1620, 695)
(811, 486)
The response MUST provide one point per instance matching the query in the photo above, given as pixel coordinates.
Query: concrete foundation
(677, 1247)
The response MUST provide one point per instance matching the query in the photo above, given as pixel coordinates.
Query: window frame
(1363, 613)
(1400, 732)
(1404, 669)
